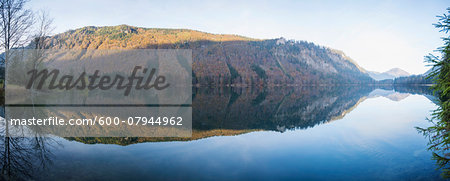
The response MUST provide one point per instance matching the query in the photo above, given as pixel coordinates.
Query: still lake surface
(324, 133)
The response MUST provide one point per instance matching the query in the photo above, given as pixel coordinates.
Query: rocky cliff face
(228, 59)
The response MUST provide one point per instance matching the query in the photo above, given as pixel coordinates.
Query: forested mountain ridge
(227, 59)
(421, 79)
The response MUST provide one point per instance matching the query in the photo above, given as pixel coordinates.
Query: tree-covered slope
(227, 59)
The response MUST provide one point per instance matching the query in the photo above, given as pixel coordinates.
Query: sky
(377, 34)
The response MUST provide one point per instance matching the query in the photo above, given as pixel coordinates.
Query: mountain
(397, 72)
(421, 79)
(390, 74)
(227, 59)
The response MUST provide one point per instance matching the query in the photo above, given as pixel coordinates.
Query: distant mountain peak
(397, 72)
(390, 74)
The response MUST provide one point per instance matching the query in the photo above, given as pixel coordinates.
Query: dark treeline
(414, 79)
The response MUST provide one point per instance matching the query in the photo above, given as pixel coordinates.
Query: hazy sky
(378, 34)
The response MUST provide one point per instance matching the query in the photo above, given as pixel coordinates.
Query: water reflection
(438, 135)
(239, 110)
(21, 158)
(220, 112)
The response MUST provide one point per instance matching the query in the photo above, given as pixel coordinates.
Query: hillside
(227, 59)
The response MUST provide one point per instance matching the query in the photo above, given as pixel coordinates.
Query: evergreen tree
(439, 133)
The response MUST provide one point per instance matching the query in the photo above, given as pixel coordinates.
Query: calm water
(248, 133)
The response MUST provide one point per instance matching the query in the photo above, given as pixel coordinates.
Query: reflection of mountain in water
(390, 94)
(237, 110)
(277, 108)
(217, 112)
(280, 108)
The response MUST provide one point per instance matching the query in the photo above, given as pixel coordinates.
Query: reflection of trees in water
(22, 157)
(438, 134)
(274, 108)
(230, 110)
(439, 144)
(423, 90)
(222, 111)
(439, 138)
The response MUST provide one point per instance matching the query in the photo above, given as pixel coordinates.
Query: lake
(313, 133)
